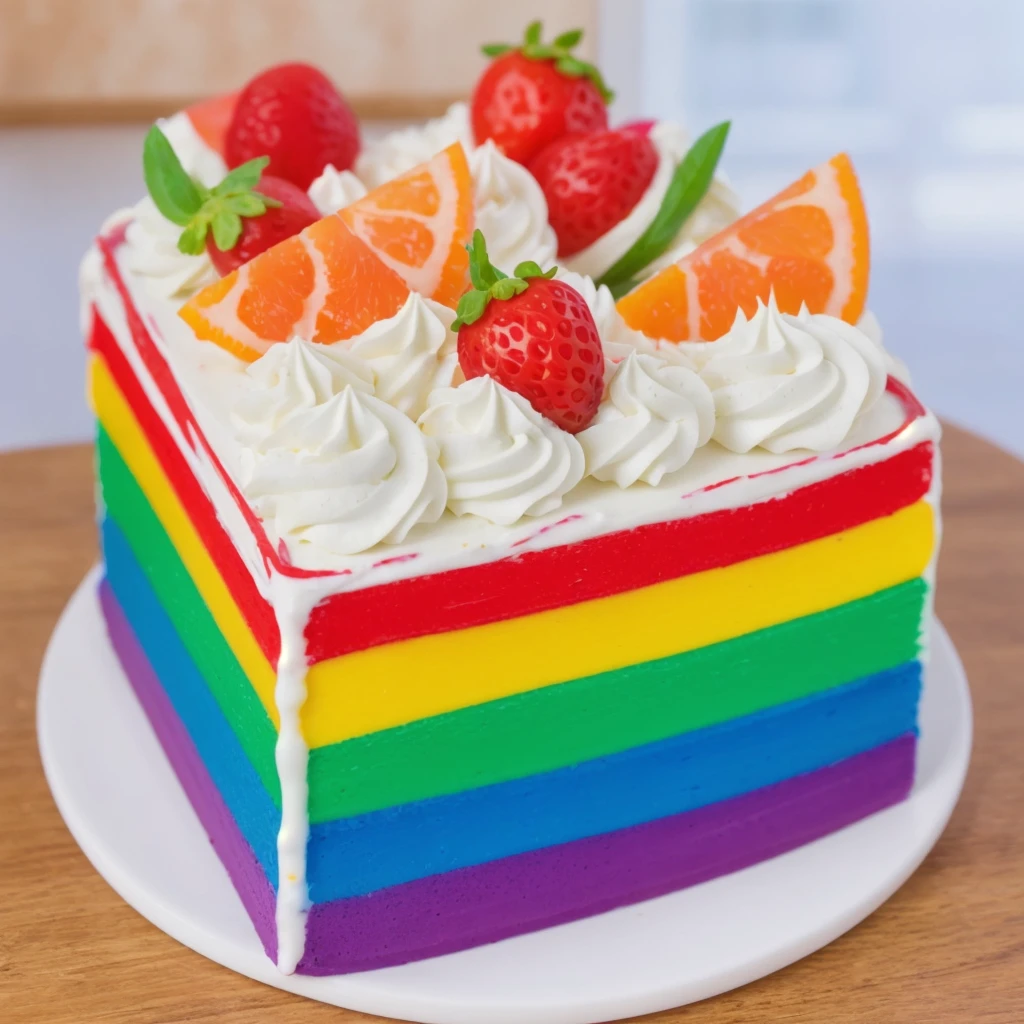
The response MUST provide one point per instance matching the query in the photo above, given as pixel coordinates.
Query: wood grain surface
(948, 947)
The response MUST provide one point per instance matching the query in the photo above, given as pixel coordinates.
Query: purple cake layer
(236, 855)
(472, 906)
(499, 899)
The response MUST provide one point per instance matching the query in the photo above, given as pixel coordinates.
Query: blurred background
(926, 95)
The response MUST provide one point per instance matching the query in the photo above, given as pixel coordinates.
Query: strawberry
(532, 94)
(232, 221)
(294, 115)
(534, 336)
(592, 182)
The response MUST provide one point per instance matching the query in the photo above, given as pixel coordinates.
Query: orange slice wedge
(420, 223)
(323, 284)
(211, 118)
(809, 244)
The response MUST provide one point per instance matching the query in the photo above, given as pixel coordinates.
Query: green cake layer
(531, 732)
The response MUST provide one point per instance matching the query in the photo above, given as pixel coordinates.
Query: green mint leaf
(227, 229)
(567, 40)
(533, 32)
(571, 66)
(193, 239)
(248, 204)
(689, 185)
(267, 202)
(621, 288)
(495, 49)
(529, 268)
(507, 287)
(540, 51)
(471, 307)
(243, 178)
(175, 194)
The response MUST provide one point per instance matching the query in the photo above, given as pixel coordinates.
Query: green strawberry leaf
(227, 229)
(507, 287)
(533, 47)
(471, 307)
(528, 269)
(689, 185)
(249, 204)
(243, 178)
(175, 194)
(491, 283)
(567, 40)
(193, 239)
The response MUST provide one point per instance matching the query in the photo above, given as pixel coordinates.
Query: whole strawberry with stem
(534, 93)
(294, 115)
(592, 182)
(231, 221)
(534, 336)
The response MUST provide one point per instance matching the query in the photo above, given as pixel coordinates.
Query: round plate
(107, 770)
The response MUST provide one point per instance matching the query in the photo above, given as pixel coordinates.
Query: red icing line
(256, 611)
(614, 563)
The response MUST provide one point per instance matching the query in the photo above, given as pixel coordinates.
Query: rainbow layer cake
(487, 555)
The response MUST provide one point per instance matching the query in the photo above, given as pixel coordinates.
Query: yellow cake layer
(400, 682)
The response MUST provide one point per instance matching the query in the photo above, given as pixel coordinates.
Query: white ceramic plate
(107, 774)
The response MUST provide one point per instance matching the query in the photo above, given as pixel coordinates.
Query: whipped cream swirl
(511, 210)
(152, 252)
(872, 329)
(411, 353)
(501, 458)
(654, 418)
(718, 209)
(334, 190)
(400, 151)
(291, 378)
(784, 382)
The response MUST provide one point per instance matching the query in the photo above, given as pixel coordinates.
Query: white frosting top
(510, 210)
(716, 210)
(502, 459)
(334, 190)
(198, 159)
(290, 379)
(654, 418)
(400, 151)
(783, 382)
(328, 464)
(153, 254)
(411, 353)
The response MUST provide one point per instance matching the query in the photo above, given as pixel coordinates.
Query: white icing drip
(292, 607)
(334, 190)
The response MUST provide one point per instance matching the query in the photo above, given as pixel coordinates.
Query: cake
(452, 634)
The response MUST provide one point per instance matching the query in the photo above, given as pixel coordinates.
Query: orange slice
(420, 223)
(808, 244)
(211, 118)
(323, 284)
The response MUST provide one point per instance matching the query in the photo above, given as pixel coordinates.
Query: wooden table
(949, 946)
